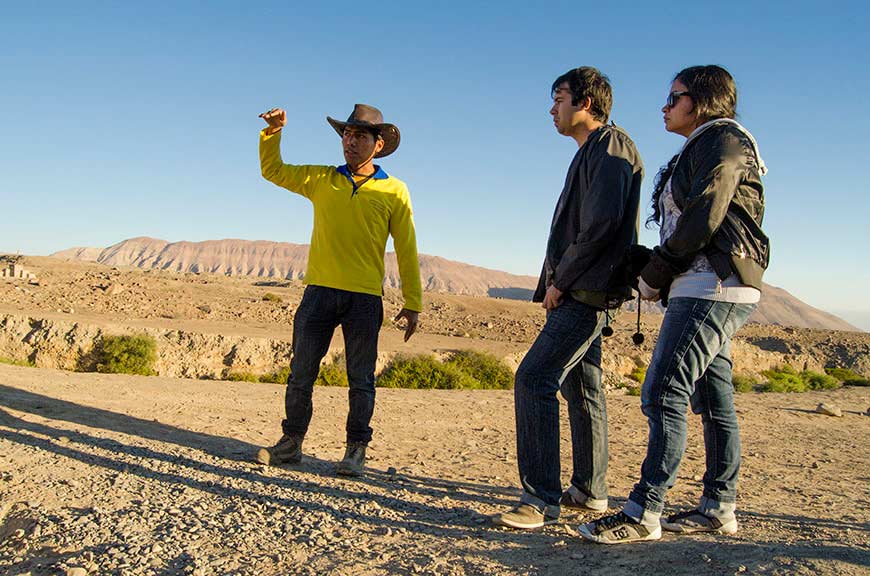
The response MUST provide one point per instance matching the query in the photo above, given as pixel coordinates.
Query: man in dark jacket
(595, 221)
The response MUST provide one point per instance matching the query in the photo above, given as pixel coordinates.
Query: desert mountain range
(282, 260)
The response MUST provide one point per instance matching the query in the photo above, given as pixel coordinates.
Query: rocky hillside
(208, 326)
(281, 260)
(287, 261)
(53, 342)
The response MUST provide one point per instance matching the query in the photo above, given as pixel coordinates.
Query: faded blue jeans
(320, 312)
(691, 363)
(555, 359)
(587, 415)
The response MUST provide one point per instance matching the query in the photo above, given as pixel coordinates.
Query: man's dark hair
(712, 91)
(588, 82)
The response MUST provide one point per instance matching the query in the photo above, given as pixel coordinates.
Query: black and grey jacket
(595, 220)
(716, 184)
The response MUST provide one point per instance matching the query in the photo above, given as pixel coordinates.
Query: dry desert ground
(118, 474)
(148, 475)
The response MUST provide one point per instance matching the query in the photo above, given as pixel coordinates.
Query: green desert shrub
(269, 297)
(127, 354)
(489, 372)
(848, 377)
(279, 376)
(743, 383)
(14, 362)
(816, 381)
(783, 379)
(787, 379)
(424, 371)
(242, 377)
(638, 374)
(631, 388)
(333, 374)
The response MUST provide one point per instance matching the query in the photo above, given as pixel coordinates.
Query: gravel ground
(111, 474)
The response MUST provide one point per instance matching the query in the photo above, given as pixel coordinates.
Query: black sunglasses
(674, 97)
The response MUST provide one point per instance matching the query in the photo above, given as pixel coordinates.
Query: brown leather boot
(354, 460)
(288, 450)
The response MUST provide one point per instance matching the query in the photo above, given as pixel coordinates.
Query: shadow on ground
(550, 551)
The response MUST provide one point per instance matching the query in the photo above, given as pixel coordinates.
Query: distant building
(13, 270)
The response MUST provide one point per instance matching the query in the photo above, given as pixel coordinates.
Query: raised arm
(300, 179)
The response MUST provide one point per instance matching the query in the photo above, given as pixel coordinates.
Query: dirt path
(135, 475)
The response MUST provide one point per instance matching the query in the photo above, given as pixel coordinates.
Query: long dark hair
(714, 95)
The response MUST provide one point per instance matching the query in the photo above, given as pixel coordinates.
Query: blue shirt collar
(378, 175)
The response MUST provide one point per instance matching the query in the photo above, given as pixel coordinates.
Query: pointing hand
(276, 118)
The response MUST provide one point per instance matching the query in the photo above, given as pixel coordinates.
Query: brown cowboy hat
(369, 117)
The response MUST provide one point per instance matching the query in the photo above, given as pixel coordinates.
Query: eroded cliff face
(50, 343)
(69, 345)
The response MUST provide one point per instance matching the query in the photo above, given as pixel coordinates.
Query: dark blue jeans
(556, 359)
(587, 415)
(691, 363)
(320, 312)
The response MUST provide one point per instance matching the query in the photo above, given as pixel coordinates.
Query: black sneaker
(288, 450)
(618, 529)
(692, 521)
(354, 460)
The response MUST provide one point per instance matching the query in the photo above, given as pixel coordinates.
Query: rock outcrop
(69, 345)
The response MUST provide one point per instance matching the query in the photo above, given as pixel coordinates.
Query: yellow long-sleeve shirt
(351, 224)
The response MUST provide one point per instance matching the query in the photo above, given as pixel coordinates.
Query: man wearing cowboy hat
(356, 206)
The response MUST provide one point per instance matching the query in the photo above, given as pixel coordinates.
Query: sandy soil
(134, 475)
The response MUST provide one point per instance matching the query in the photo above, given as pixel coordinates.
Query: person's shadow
(216, 446)
(55, 409)
(448, 507)
(456, 520)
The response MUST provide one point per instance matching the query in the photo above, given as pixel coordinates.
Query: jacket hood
(762, 167)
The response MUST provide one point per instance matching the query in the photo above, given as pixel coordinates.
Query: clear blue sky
(121, 119)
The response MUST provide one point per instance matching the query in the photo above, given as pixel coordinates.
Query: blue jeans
(587, 415)
(556, 359)
(691, 363)
(320, 312)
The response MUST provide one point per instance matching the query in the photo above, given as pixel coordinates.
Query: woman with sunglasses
(709, 203)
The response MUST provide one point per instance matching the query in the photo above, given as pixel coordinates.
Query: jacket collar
(378, 175)
(762, 168)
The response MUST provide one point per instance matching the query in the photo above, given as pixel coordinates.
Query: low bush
(631, 388)
(333, 374)
(848, 377)
(489, 372)
(12, 362)
(279, 376)
(816, 381)
(242, 377)
(269, 297)
(743, 384)
(638, 374)
(783, 379)
(126, 354)
(424, 371)
(787, 379)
